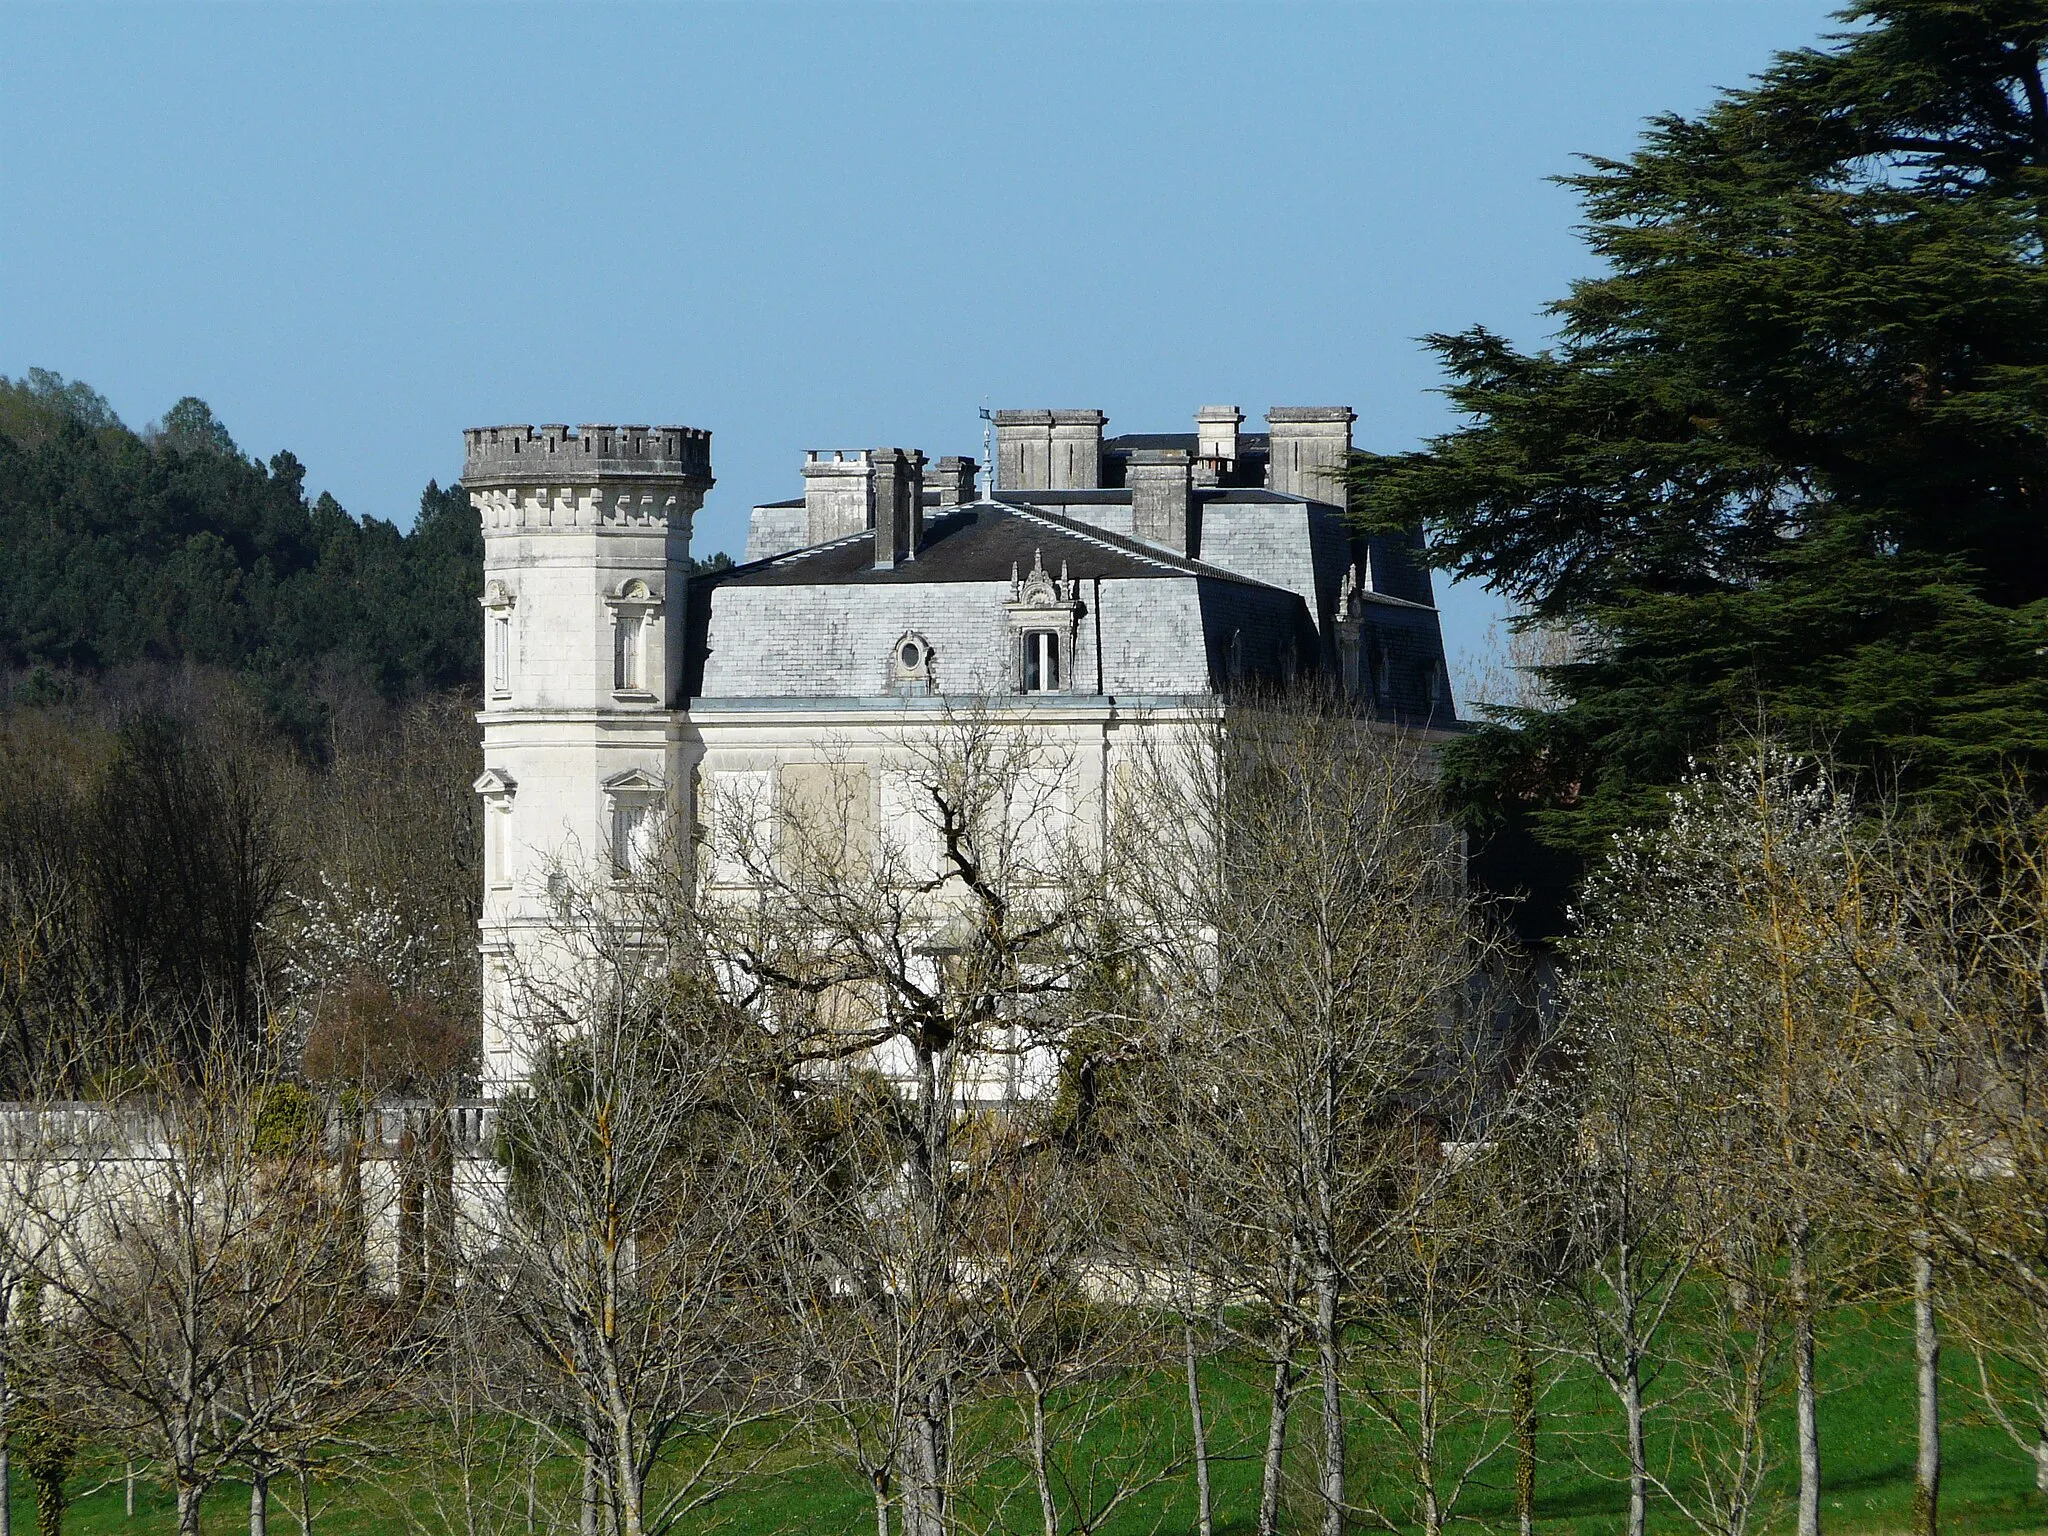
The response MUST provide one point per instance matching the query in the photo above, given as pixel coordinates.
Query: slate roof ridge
(801, 552)
(1138, 549)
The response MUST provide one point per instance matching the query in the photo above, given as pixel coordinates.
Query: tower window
(497, 858)
(501, 656)
(626, 653)
(1041, 661)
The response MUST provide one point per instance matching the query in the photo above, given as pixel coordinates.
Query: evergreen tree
(173, 547)
(1790, 449)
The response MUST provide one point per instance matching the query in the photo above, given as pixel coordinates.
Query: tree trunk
(1524, 1387)
(1041, 1470)
(6, 1451)
(929, 1504)
(354, 1226)
(305, 1502)
(188, 1507)
(1205, 1522)
(1426, 1431)
(439, 1216)
(623, 1471)
(259, 1504)
(1330, 1366)
(1276, 1440)
(1927, 1357)
(1638, 1458)
(411, 1222)
(2041, 1439)
(1808, 1394)
(881, 1481)
(128, 1488)
(588, 1524)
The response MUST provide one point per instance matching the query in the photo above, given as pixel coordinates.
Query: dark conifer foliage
(171, 546)
(1789, 452)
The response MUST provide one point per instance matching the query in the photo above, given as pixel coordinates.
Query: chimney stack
(1023, 450)
(956, 480)
(1049, 450)
(1076, 450)
(899, 505)
(836, 495)
(1310, 448)
(1162, 506)
(1216, 442)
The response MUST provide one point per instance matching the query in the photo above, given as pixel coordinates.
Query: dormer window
(1041, 661)
(912, 667)
(1045, 616)
(1433, 686)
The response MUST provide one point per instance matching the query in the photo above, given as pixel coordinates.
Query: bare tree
(194, 1264)
(475, 1408)
(915, 945)
(1963, 1077)
(642, 1155)
(1628, 1254)
(1068, 1328)
(1303, 908)
(1435, 1381)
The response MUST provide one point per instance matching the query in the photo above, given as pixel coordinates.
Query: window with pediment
(497, 787)
(634, 800)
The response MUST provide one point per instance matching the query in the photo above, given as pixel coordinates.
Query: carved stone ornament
(1038, 589)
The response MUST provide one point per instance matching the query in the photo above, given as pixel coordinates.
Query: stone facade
(585, 606)
(1102, 590)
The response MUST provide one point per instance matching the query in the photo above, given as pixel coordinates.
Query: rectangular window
(501, 656)
(626, 654)
(630, 825)
(496, 858)
(1041, 662)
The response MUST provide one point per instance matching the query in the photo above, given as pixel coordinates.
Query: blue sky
(357, 229)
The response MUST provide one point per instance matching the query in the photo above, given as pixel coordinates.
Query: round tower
(586, 568)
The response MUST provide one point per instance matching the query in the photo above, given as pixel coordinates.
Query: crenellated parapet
(528, 455)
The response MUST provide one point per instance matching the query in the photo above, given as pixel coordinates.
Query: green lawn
(1867, 1448)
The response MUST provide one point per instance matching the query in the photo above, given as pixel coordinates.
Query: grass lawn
(1866, 1445)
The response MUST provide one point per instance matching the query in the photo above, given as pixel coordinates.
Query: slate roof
(984, 541)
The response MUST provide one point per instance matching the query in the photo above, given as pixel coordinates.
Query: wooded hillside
(170, 545)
